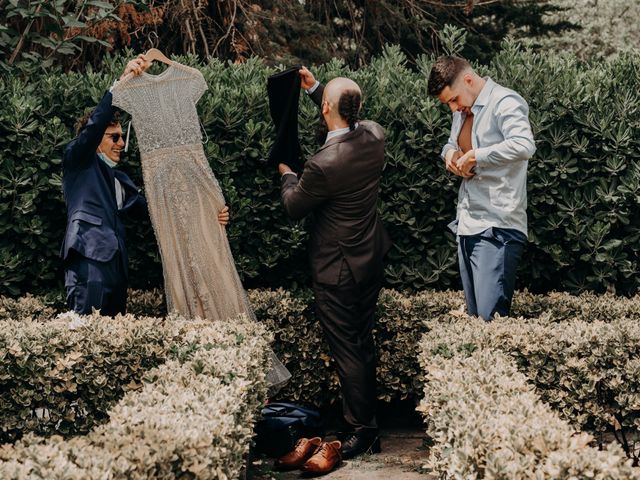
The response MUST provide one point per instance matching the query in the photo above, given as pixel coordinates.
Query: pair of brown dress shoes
(312, 456)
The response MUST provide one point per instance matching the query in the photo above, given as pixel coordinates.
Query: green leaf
(100, 4)
(71, 22)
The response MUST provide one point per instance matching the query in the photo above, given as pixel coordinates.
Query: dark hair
(444, 72)
(82, 121)
(349, 107)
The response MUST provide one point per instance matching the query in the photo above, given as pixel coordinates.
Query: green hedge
(62, 375)
(299, 342)
(579, 352)
(402, 320)
(584, 182)
(587, 371)
(486, 421)
(191, 417)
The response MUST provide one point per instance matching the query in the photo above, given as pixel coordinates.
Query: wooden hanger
(155, 54)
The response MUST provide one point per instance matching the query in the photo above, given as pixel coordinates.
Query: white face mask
(107, 160)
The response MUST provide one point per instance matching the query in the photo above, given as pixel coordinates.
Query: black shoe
(360, 442)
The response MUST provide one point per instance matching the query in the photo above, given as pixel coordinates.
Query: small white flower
(75, 321)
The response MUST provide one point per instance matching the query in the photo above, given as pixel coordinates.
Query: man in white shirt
(489, 147)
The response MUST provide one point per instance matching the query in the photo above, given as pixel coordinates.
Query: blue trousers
(91, 284)
(488, 264)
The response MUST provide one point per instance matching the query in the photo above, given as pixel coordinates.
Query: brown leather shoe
(325, 459)
(301, 453)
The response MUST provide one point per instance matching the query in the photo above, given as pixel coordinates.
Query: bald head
(342, 99)
(336, 87)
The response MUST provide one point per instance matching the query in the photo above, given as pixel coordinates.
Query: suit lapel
(130, 190)
(124, 179)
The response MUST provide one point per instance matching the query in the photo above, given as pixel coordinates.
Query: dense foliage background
(604, 29)
(74, 33)
(584, 181)
(58, 57)
(576, 62)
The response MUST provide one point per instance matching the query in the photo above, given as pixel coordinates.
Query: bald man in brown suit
(340, 185)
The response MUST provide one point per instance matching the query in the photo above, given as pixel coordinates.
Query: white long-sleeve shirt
(503, 142)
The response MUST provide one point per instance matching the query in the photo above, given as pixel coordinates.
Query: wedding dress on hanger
(184, 198)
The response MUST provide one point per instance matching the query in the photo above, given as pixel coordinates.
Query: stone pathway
(403, 455)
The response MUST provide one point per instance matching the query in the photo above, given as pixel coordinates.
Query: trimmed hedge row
(587, 306)
(63, 375)
(587, 371)
(25, 308)
(402, 320)
(581, 359)
(300, 342)
(191, 417)
(583, 188)
(486, 421)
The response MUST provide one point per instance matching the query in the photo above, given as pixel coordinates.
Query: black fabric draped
(284, 95)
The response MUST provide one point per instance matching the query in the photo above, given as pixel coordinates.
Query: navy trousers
(488, 264)
(91, 284)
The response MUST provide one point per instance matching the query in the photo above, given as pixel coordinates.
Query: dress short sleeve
(121, 96)
(198, 85)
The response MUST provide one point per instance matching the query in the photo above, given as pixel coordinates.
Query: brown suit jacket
(340, 184)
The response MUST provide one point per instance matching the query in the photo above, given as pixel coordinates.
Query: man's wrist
(313, 88)
(283, 169)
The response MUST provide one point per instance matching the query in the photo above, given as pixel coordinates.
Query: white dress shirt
(496, 196)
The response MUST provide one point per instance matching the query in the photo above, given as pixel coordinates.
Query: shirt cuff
(482, 155)
(314, 88)
(289, 173)
(445, 149)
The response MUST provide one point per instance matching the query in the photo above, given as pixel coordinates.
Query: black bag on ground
(282, 425)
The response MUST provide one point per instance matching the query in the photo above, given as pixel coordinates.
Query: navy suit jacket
(95, 227)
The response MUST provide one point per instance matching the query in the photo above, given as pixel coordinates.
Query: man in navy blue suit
(98, 198)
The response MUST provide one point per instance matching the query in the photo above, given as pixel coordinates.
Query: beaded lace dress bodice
(163, 106)
(184, 199)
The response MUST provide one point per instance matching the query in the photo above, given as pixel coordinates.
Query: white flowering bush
(587, 371)
(300, 345)
(486, 421)
(189, 416)
(26, 307)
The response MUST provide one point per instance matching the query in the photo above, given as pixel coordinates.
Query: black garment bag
(283, 89)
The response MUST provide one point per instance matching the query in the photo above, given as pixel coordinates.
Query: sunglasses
(116, 137)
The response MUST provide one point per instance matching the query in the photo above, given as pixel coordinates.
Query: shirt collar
(337, 133)
(483, 96)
